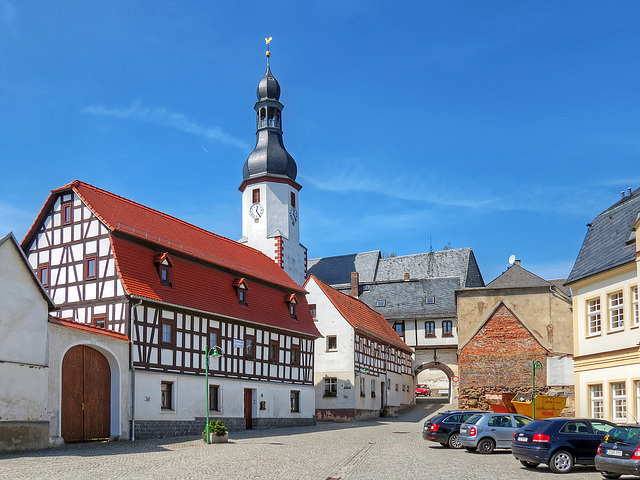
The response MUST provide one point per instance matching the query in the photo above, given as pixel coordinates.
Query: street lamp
(215, 352)
(534, 364)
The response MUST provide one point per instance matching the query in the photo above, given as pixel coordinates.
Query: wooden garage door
(86, 395)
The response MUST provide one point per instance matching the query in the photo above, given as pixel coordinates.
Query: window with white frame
(330, 386)
(214, 398)
(593, 316)
(636, 313)
(362, 394)
(295, 401)
(616, 311)
(332, 343)
(619, 402)
(166, 395)
(637, 382)
(597, 401)
(373, 388)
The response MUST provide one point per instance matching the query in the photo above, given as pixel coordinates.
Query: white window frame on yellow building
(596, 314)
(634, 307)
(618, 398)
(612, 309)
(593, 400)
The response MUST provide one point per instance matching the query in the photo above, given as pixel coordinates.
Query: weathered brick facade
(498, 359)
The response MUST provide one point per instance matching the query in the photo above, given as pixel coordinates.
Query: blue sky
(503, 126)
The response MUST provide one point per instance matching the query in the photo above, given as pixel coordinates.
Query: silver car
(487, 431)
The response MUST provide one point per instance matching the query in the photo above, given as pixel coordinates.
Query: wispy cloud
(7, 12)
(167, 119)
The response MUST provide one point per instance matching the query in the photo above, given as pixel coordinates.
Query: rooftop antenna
(268, 54)
(512, 260)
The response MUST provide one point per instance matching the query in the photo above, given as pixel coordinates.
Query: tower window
(255, 193)
(293, 200)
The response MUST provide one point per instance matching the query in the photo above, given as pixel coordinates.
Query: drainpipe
(133, 372)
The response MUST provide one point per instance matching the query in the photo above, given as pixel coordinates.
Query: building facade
(606, 322)
(503, 328)
(416, 295)
(362, 366)
(174, 289)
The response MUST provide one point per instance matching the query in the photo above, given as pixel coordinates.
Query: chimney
(518, 262)
(406, 276)
(355, 282)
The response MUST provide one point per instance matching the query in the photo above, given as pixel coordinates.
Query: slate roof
(408, 298)
(204, 265)
(610, 240)
(371, 267)
(361, 317)
(518, 277)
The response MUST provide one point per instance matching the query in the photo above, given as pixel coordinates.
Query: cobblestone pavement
(387, 448)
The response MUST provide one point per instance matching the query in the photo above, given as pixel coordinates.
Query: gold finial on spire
(268, 41)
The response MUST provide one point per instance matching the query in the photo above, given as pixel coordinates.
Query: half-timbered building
(175, 289)
(362, 365)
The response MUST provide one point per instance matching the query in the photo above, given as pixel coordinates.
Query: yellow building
(606, 321)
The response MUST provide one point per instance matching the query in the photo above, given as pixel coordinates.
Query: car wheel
(561, 462)
(454, 441)
(529, 464)
(486, 445)
(470, 449)
(610, 475)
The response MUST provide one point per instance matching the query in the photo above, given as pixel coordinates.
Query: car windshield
(623, 435)
(474, 419)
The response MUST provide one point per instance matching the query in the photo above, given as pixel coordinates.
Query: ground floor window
(596, 399)
(619, 402)
(362, 394)
(330, 387)
(214, 398)
(373, 388)
(295, 401)
(166, 395)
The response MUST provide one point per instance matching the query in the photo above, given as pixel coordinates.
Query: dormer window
(241, 288)
(430, 300)
(164, 266)
(291, 303)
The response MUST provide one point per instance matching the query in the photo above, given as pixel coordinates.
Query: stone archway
(443, 367)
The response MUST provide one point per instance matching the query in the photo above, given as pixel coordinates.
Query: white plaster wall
(190, 397)
(607, 340)
(415, 338)
(116, 352)
(560, 371)
(630, 374)
(339, 363)
(23, 340)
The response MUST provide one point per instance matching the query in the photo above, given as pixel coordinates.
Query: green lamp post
(534, 364)
(215, 352)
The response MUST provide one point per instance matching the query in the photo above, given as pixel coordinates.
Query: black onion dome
(268, 87)
(269, 158)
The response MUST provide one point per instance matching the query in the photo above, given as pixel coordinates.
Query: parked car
(619, 453)
(485, 432)
(444, 428)
(422, 390)
(559, 442)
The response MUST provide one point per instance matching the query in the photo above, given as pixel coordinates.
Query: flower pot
(213, 438)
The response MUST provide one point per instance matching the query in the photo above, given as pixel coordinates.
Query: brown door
(248, 410)
(86, 395)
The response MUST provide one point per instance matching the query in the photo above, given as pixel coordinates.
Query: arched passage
(433, 381)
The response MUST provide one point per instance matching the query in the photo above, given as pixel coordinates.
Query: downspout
(133, 371)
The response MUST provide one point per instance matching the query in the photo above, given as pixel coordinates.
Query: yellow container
(547, 406)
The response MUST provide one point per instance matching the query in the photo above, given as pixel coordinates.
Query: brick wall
(498, 359)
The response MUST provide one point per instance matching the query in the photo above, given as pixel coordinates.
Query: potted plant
(329, 393)
(383, 412)
(217, 432)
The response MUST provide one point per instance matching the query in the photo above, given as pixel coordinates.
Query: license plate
(614, 453)
(521, 439)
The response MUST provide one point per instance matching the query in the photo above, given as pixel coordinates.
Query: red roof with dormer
(204, 266)
(361, 316)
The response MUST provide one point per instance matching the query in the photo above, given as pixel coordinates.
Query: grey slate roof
(460, 263)
(517, 277)
(610, 240)
(408, 298)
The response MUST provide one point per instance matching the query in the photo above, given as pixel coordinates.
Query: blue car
(560, 443)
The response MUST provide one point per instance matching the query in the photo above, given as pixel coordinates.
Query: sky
(503, 126)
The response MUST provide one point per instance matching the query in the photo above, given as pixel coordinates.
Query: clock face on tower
(293, 215)
(256, 211)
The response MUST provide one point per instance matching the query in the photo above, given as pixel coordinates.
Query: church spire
(269, 157)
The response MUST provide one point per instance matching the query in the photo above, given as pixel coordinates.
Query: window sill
(592, 335)
(332, 350)
(450, 335)
(430, 335)
(616, 330)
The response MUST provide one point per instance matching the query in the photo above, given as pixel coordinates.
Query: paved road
(389, 448)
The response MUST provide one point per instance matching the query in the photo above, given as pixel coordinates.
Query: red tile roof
(196, 285)
(84, 327)
(361, 317)
(125, 216)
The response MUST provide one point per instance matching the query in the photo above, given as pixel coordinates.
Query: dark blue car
(559, 442)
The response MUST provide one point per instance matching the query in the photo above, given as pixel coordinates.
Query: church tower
(270, 202)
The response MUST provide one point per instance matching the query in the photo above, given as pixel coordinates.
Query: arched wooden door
(86, 395)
